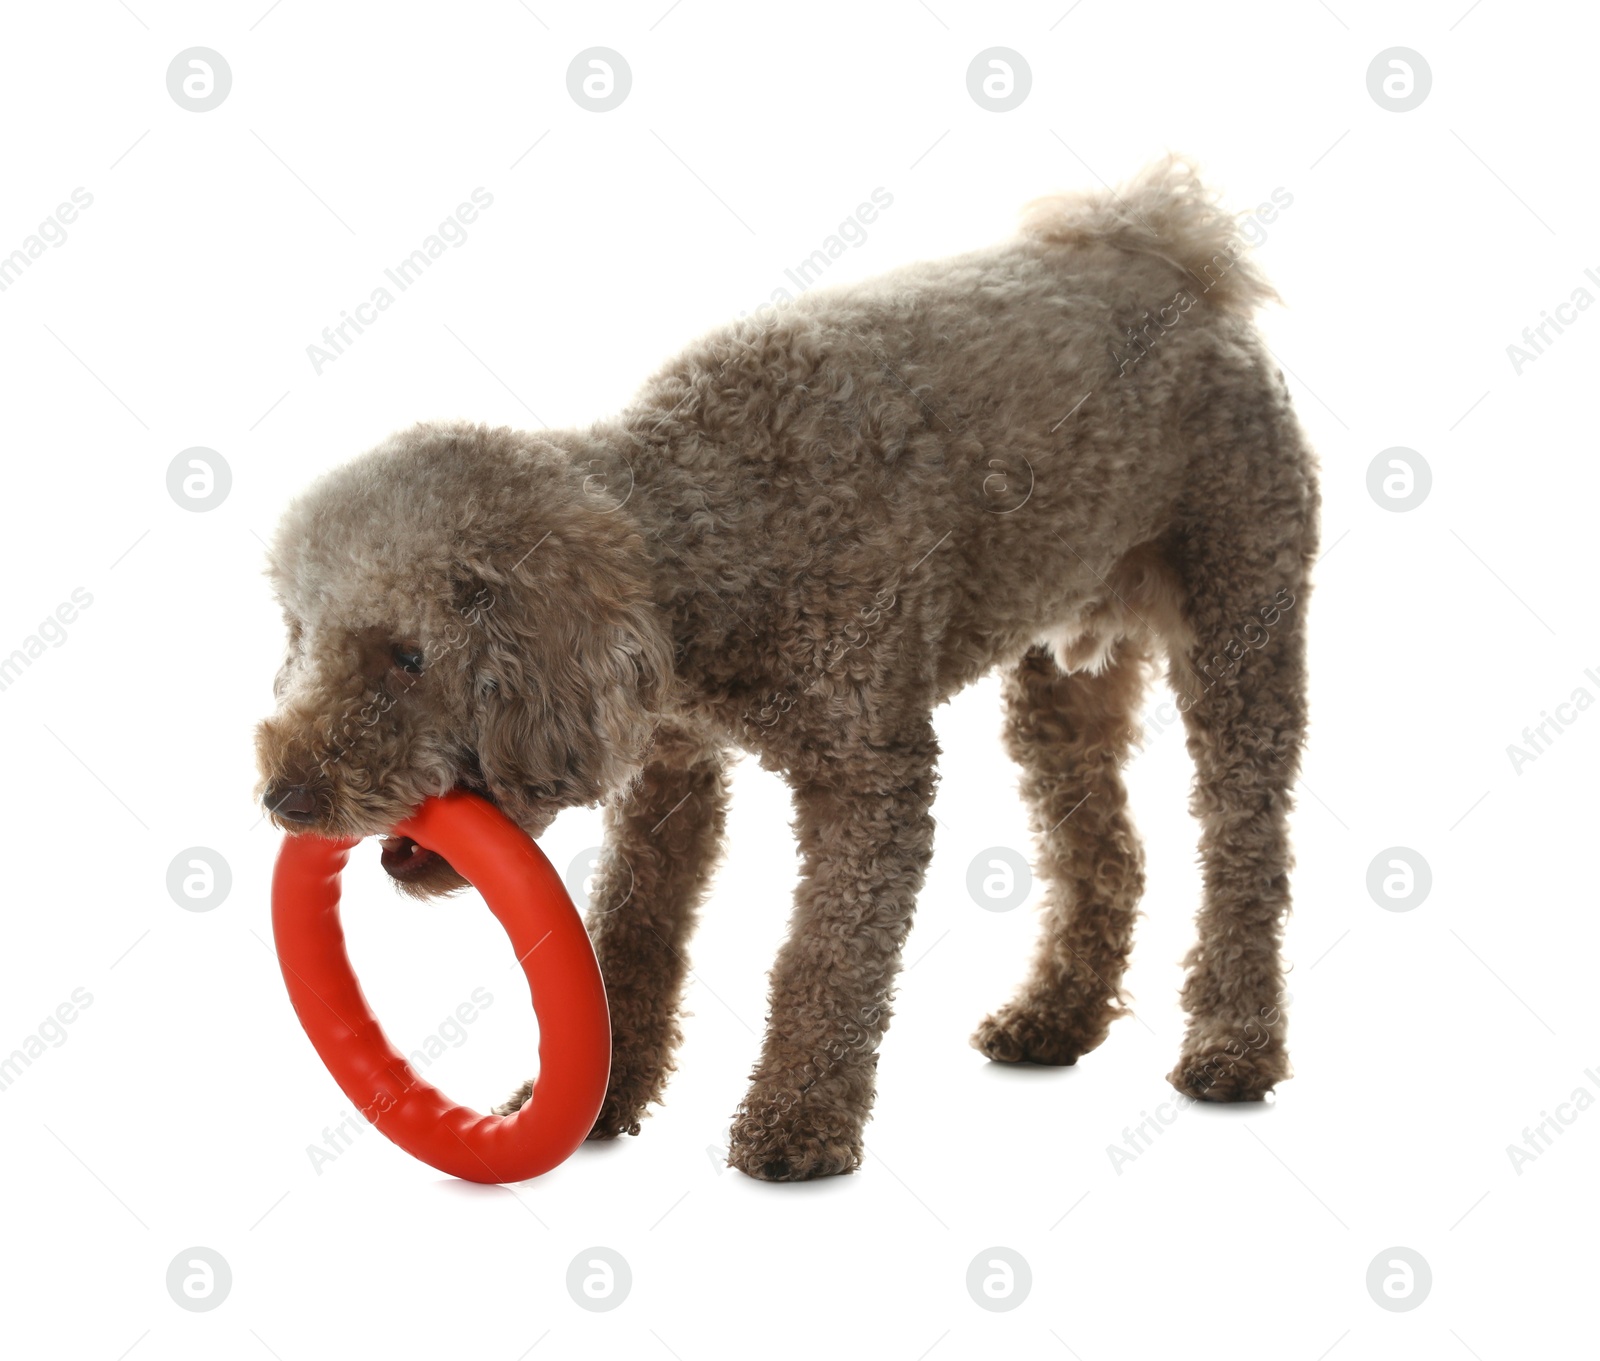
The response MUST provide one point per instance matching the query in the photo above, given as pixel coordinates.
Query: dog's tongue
(401, 853)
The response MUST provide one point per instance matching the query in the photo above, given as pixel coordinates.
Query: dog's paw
(629, 1094)
(1224, 1076)
(1020, 1033)
(516, 1101)
(619, 1115)
(778, 1136)
(792, 1155)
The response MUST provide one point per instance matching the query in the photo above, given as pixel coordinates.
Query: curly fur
(1067, 455)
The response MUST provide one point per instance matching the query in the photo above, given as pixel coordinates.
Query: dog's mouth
(404, 860)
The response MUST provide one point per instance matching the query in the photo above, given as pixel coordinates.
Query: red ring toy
(527, 895)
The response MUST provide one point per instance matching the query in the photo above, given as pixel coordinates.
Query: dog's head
(463, 612)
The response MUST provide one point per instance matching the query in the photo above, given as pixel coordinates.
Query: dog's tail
(1167, 214)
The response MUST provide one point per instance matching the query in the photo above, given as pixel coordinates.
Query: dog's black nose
(292, 801)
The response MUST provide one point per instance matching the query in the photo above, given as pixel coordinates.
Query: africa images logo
(452, 232)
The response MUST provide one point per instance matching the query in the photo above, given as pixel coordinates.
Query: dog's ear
(569, 672)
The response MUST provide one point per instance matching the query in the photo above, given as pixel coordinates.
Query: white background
(179, 1110)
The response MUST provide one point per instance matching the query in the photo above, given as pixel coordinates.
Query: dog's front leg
(865, 838)
(662, 842)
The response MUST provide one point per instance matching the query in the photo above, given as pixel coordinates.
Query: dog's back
(1033, 414)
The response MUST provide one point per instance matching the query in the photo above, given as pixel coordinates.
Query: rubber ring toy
(526, 894)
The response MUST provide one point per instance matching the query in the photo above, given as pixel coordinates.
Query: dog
(1069, 456)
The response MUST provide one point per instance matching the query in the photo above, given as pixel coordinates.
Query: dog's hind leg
(1242, 688)
(662, 841)
(1071, 735)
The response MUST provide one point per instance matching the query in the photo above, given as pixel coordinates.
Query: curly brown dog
(1068, 455)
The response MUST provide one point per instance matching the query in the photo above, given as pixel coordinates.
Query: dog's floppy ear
(569, 673)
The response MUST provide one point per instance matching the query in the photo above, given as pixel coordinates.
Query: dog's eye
(407, 658)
